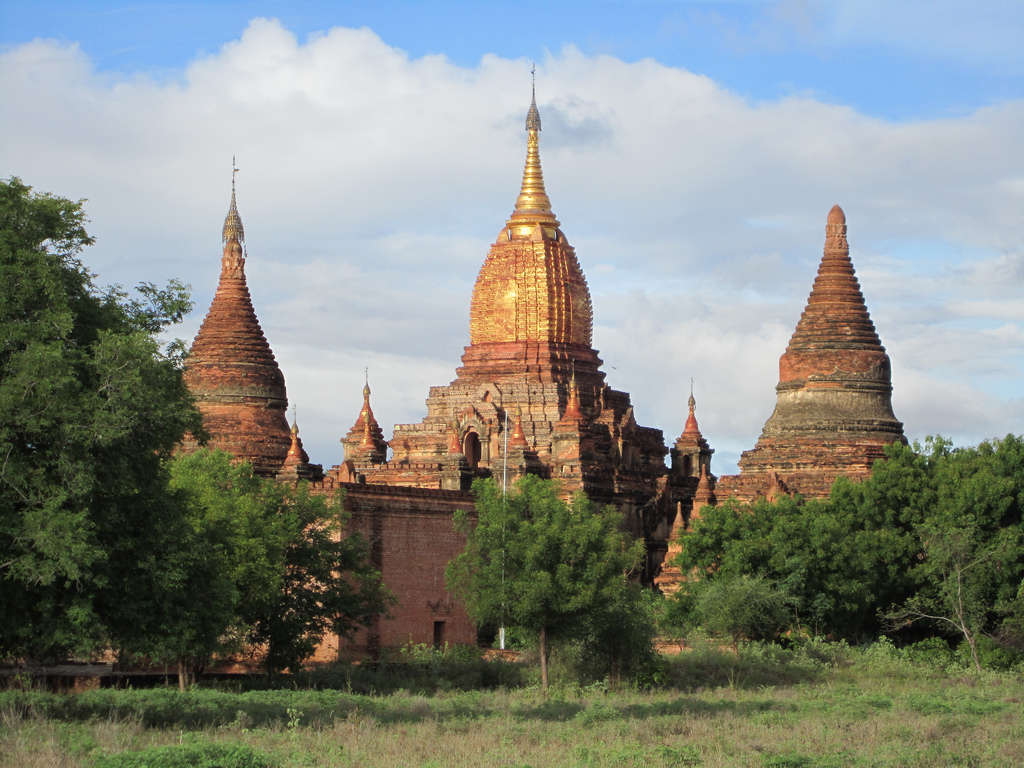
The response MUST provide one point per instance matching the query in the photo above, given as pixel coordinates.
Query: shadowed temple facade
(530, 396)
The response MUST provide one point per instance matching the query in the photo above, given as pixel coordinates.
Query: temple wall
(412, 538)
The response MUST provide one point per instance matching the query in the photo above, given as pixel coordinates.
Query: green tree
(972, 545)
(278, 569)
(90, 409)
(933, 535)
(741, 608)
(533, 561)
(839, 559)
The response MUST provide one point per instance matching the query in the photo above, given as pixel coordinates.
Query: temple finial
(366, 383)
(533, 114)
(533, 205)
(233, 229)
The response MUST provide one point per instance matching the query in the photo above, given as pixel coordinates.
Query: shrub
(931, 652)
(199, 755)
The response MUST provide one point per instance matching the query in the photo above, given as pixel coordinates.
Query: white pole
(504, 490)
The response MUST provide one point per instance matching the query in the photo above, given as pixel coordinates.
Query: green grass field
(831, 706)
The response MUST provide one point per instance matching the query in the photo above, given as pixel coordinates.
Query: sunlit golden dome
(531, 287)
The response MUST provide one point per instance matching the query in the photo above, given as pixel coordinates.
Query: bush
(200, 755)
(991, 654)
(931, 652)
(742, 608)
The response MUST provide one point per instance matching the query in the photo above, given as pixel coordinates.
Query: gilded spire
(233, 229)
(533, 205)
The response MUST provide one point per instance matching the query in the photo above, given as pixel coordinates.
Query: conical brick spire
(833, 415)
(836, 316)
(231, 369)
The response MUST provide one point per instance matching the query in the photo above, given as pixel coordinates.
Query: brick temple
(530, 396)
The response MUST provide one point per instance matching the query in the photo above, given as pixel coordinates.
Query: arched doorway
(471, 449)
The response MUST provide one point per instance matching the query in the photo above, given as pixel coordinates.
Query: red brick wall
(412, 538)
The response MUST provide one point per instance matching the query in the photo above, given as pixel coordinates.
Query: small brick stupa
(231, 370)
(834, 411)
(530, 396)
(691, 476)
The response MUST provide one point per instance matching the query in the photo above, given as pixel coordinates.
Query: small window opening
(438, 635)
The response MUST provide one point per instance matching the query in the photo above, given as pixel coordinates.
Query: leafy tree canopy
(90, 408)
(534, 561)
(256, 563)
(932, 525)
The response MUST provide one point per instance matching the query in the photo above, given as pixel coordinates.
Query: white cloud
(372, 184)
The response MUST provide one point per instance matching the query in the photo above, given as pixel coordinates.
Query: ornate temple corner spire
(231, 370)
(365, 441)
(691, 454)
(296, 464)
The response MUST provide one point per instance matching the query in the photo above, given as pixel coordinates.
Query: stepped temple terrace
(531, 397)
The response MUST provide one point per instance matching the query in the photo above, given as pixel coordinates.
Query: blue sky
(691, 150)
(908, 59)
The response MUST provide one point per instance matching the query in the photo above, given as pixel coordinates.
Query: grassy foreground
(765, 707)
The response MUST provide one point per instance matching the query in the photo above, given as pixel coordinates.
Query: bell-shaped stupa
(833, 414)
(531, 287)
(231, 369)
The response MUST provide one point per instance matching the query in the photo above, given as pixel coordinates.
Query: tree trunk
(961, 615)
(182, 674)
(544, 658)
(973, 643)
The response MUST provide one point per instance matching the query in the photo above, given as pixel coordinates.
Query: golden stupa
(531, 287)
